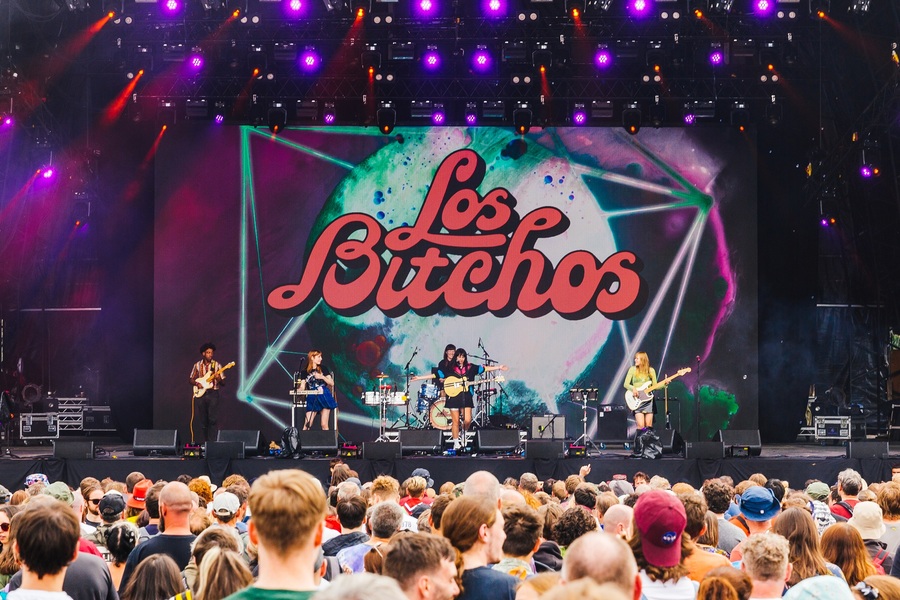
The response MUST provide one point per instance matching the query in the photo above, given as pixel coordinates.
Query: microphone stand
(697, 403)
(405, 421)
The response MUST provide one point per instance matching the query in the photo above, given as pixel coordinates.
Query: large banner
(559, 254)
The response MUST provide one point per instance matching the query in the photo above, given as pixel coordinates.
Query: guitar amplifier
(39, 426)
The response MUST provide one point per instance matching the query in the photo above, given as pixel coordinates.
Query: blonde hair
(287, 507)
(221, 573)
(643, 365)
(310, 367)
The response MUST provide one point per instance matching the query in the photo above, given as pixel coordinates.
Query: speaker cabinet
(418, 441)
(671, 440)
(225, 450)
(548, 427)
(612, 425)
(740, 442)
(381, 450)
(878, 449)
(497, 440)
(73, 449)
(249, 437)
(155, 441)
(319, 441)
(704, 450)
(544, 449)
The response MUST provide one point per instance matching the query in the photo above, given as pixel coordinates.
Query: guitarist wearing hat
(207, 377)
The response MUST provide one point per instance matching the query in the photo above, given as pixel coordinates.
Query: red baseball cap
(660, 517)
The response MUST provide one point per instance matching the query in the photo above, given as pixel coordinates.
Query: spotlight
(219, 119)
(6, 121)
(601, 109)
(717, 56)
(631, 117)
(579, 114)
(603, 57)
(657, 113)
(386, 117)
(360, 8)
(425, 9)
(819, 9)
(481, 59)
(370, 57)
(542, 57)
(276, 118)
(774, 112)
(494, 9)
(870, 159)
(721, 7)
(170, 7)
(293, 9)
(195, 60)
(47, 172)
(859, 7)
(438, 116)
(329, 115)
(522, 118)
(575, 9)
(310, 61)
(196, 108)
(307, 110)
(471, 113)
(688, 116)
(639, 8)
(431, 60)
(763, 8)
(740, 115)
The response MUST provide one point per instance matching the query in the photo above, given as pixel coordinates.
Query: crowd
(289, 536)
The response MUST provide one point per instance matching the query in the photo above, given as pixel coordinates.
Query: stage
(795, 463)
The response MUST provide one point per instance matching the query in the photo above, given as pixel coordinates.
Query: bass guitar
(206, 381)
(642, 394)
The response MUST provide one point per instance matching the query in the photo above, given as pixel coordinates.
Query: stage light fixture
(276, 117)
(196, 108)
(575, 9)
(166, 111)
(721, 7)
(256, 58)
(471, 113)
(285, 52)
(763, 8)
(860, 7)
(438, 115)
(717, 54)
(309, 61)
(521, 79)
(195, 60)
(579, 114)
(603, 57)
(601, 109)
(6, 121)
(431, 60)
(657, 54)
(688, 115)
(402, 51)
(386, 117)
(640, 8)
(522, 118)
(657, 113)
(494, 9)
(173, 52)
(360, 8)
(421, 109)
(425, 9)
(219, 110)
(336, 7)
(329, 114)
(481, 59)
(870, 159)
(740, 115)
(513, 51)
(542, 56)
(493, 109)
(819, 9)
(294, 9)
(307, 110)
(695, 110)
(370, 57)
(774, 112)
(631, 117)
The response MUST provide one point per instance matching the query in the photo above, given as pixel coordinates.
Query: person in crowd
(586, 589)
(718, 495)
(660, 547)
(288, 510)
(225, 509)
(819, 587)
(522, 527)
(843, 546)
(884, 587)
(549, 555)
(352, 516)
(385, 519)
(151, 505)
(798, 528)
(619, 520)
(6, 515)
(604, 558)
(46, 543)
(155, 577)
(121, 539)
(474, 525)
(92, 492)
(535, 587)
(849, 485)
(889, 500)
(214, 537)
(362, 586)
(424, 565)
(175, 507)
(222, 573)
(867, 519)
(716, 588)
(484, 484)
(739, 580)
(701, 559)
(438, 506)
(767, 561)
(758, 506)
(821, 512)
(387, 489)
(415, 491)
(572, 524)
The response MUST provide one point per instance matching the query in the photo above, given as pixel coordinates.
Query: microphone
(415, 350)
(480, 345)
(541, 428)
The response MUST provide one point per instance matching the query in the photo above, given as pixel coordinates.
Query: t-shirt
(38, 595)
(483, 583)
(178, 547)
(702, 561)
(255, 593)
(680, 589)
(87, 578)
(730, 535)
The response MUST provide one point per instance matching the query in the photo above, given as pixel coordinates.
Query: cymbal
(381, 376)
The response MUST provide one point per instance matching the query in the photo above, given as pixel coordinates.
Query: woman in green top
(638, 375)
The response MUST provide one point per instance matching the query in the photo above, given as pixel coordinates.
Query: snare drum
(429, 390)
(395, 399)
(371, 398)
(440, 416)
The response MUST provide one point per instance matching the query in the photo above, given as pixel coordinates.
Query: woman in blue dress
(316, 376)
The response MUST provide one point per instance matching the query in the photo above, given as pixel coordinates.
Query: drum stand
(382, 421)
(582, 396)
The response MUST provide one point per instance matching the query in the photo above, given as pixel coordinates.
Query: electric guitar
(454, 386)
(206, 381)
(642, 394)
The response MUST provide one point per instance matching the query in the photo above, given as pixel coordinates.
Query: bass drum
(440, 416)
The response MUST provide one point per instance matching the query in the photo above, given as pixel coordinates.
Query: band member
(445, 366)
(637, 376)
(463, 369)
(316, 376)
(206, 407)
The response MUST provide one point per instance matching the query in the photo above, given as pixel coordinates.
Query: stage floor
(796, 463)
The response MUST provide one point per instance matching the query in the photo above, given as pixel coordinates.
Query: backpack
(647, 445)
(878, 560)
(846, 506)
(290, 443)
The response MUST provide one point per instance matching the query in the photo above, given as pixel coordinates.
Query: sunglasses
(94, 501)
(4, 526)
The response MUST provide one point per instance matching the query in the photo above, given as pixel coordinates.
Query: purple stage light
(196, 62)
(481, 60)
(295, 5)
(763, 8)
(171, 6)
(823, 222)
(716, 57)
(329, 118)
(866, 172)
(219, 119)
(431, 60)
(494, 8)
(438, 117)
(471, 118)
(579, 118)
(639, 8)
(309, 60)
(48, 173)
(7, 121)
(603, 58)
(425, 9)
(689, 118)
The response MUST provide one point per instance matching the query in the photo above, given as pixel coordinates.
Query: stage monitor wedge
(421, 441)
(868, 449)
(155, 441)
(382, 450)
(324, 442)
(740, 442)
(709, 450)
(73, 449)
(250, 438)
(230, 450)
(545, 449)
(497, 440)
